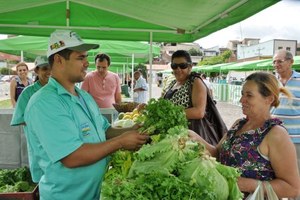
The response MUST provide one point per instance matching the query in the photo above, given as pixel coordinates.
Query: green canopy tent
(243, 66)
(213, 68)
(121, 52)
(131, 20)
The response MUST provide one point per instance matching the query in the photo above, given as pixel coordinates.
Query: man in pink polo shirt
(102, 84)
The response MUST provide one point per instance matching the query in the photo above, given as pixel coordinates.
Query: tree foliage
(195, 52)
(223, 58)
(6, 71)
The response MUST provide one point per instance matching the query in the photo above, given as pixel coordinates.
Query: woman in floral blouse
(259, 145)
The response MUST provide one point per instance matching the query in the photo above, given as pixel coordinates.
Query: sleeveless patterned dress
(241, 151)
(181, 96)
(20, 86)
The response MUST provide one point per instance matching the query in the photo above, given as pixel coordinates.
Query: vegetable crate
(34, 195)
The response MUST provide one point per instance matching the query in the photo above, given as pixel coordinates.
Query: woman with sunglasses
(189, 91)
(19, 82)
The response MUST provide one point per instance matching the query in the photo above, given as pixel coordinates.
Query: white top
(140, 96)
(207, 83)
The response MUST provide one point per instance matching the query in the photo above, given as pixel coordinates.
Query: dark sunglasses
(180, 65)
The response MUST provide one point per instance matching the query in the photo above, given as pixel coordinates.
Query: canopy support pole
(124, 75)
(132, 74)
(67, 13)
(150, 65)
(22, 56)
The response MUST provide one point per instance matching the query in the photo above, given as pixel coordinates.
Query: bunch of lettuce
(16, 180)
(174, 168)
(159, 115)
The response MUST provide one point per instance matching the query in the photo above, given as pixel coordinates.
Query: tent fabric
(233, 66)
(243, 66)
(213, 68)
(131, 20)
(120, 51)
(268, 63)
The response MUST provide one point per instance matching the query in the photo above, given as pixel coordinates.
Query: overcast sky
(280, 21)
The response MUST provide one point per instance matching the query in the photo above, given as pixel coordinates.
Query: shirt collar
(295, 74)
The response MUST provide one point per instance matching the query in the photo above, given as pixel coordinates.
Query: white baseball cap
(41, 61)
(67, 39)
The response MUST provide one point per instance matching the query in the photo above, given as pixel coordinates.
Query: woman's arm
(13, 85)
(199, 100)
(282, 155)
(213, 150)
(283, 158)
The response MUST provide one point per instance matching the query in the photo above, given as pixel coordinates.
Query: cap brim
(84, 47)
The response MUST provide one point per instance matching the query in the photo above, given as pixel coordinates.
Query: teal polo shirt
(18, 116)
(59, 124)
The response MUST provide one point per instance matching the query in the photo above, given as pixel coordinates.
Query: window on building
(288, 48)
(279, 48)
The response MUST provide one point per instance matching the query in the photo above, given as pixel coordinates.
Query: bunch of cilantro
(160, 115)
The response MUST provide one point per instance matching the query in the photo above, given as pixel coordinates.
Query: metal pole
(150, 66)
(132, 72)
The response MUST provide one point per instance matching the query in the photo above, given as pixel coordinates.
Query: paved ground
(230, 113)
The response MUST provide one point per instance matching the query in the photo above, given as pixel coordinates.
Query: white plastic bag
(258, 194)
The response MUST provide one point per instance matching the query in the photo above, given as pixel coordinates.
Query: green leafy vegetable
(171, 166)
(16, 180)
(161, 115)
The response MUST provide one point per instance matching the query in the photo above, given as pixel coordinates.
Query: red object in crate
(34, 195)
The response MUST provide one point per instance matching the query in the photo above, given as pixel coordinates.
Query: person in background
(140, 88)
(189, 91)
(19, 82)
(103, 85)
(70, 138)
(208, 84)
(159, 79)
(288, 110)
(259, 145)
(43, 72)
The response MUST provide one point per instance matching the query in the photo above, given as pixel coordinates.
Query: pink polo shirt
(104, 89)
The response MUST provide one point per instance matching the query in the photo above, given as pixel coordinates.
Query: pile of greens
(16, 180)
(161, 115)
(173, 168)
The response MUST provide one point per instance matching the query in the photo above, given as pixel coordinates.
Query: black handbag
(211, 127)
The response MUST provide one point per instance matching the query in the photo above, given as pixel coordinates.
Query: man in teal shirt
(70, 138)
(43, 71)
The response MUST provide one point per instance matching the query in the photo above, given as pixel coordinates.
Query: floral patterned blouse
(241, 151)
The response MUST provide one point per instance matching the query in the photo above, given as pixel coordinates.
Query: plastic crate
(34, 195)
